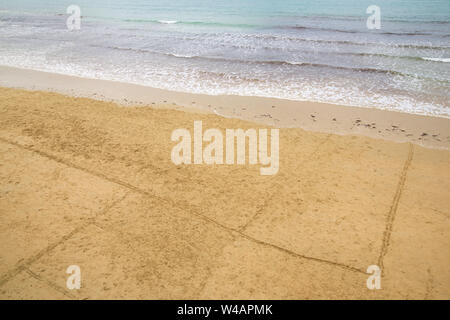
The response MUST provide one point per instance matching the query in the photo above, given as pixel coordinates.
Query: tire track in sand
(394, 205)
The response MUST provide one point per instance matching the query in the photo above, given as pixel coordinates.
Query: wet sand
(318, 117)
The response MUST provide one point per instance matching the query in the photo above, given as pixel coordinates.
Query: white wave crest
(437, 59)
(168, 21)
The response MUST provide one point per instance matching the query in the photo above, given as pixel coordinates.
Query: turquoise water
(300, 50)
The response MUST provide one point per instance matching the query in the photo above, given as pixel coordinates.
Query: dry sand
(91, 183)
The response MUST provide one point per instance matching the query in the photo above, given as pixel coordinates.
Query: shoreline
(427, 131)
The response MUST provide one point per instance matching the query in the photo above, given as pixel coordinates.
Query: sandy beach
(312, 116)
(86, 179)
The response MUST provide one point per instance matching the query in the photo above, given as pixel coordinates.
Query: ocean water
(315, 50)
